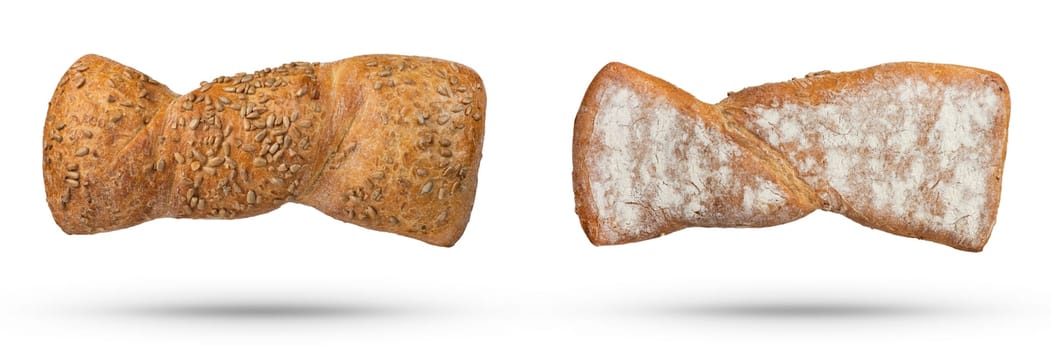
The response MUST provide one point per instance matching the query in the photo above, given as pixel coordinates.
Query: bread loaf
(914, 149)
(391, 143)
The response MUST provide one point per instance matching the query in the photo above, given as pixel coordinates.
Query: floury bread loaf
(914, 149)
(391, 143)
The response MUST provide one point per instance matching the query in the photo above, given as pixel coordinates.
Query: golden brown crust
(387, 142)
(421, 141)
(748, 121)
(96, 125)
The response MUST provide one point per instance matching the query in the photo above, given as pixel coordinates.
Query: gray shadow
(259, 309)
(772, 308)
(806, 310)
(254, 310)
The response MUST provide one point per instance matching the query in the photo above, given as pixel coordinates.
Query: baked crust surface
(387, 142)
(914, 149)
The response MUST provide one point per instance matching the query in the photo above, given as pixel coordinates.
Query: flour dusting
(654, 165)
(922, 151)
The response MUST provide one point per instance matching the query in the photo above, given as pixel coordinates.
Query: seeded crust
(739, 118)
(391, 143)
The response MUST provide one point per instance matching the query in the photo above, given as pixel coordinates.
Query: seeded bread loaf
(914, 149)
(391, 143)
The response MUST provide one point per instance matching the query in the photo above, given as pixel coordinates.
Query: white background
(524, 275)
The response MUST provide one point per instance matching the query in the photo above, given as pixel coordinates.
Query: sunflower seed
(261, 135)
(449, 171)
(197, 155)
(215, 161)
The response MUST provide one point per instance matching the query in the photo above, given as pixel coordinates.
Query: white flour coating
(878, 157)
(765, 193)
(655, 164)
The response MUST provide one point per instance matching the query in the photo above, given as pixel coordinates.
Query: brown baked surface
(391, 143)
(914, 149)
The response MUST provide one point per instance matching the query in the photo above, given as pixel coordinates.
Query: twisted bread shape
(914, 149)
(391, 143)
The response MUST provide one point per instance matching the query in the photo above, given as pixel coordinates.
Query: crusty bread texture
(388, 142)
(914, 149)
